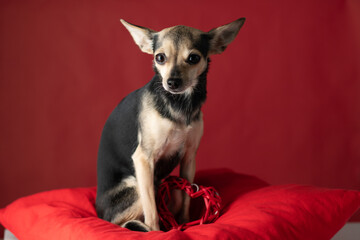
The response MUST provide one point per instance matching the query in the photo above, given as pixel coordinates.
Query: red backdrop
(283, 99)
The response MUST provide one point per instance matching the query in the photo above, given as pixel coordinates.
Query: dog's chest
(172, 138)
(163, 138)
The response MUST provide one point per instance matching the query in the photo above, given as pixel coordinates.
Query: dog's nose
(174, 83)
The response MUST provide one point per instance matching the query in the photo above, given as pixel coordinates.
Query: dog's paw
(153, 222)
(135, 225)
(155, 227)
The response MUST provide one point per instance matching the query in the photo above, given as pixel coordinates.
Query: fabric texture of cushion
(252, 209)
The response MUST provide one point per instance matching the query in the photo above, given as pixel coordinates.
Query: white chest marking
(160, 137)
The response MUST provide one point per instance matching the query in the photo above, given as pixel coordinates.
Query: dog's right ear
(142, 36)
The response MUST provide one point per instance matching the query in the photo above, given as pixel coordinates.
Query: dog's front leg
(144, 170)
(188, 165)
(187, 171)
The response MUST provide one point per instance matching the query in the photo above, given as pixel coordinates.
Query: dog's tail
(136, 225)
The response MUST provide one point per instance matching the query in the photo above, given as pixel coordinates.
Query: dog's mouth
(179, 91)
(176, 91)
(178, 86)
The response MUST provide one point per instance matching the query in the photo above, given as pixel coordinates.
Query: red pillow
(251, 210)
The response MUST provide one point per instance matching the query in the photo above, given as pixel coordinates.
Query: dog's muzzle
(174, 84)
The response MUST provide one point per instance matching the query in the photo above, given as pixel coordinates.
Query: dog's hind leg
(122, 206)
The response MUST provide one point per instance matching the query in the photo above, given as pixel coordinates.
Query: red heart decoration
(211, 198)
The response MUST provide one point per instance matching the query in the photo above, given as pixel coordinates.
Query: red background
(283, 99)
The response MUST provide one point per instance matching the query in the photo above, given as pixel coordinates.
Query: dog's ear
(224, 35)
(142, 36)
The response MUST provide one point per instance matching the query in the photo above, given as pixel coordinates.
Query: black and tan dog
(158, 126)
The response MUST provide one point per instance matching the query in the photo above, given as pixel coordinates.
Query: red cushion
(251, 210)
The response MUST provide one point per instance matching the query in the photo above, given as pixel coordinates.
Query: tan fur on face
(177, 50)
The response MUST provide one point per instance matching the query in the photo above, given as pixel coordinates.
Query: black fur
(118, 143)
(203, 44)
(156, 43)
(164, 167)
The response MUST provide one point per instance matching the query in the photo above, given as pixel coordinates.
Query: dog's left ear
(142, 36)
(222, 36)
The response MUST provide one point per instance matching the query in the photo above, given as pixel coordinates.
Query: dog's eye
(160, 58)
(193, 59)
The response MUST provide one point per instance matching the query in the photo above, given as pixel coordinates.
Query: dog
(158, 126)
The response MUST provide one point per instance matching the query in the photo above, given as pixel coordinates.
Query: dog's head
(181, 53)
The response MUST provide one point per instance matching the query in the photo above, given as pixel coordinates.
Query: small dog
(158, 126)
